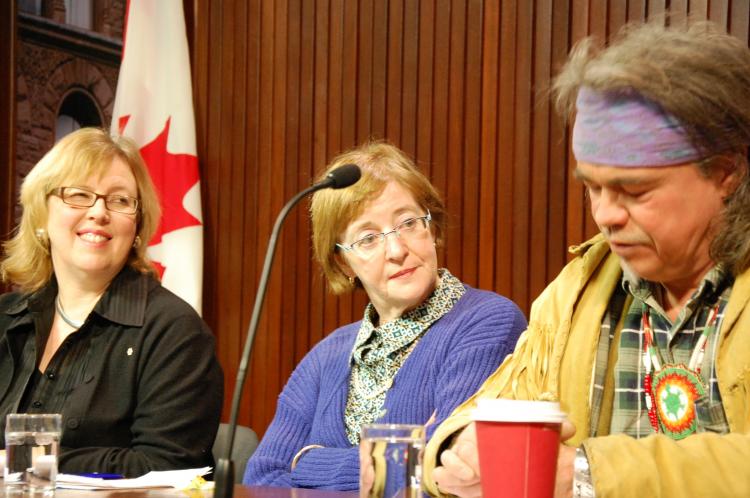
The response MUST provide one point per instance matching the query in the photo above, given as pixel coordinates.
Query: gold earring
(43, 238)
(137, 242)
(41, 235)
(351, 280)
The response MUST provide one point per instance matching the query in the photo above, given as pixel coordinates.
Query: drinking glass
(32, 444)
(391, 460)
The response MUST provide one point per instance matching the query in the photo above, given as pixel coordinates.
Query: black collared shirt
(138, 385)
(47, 392)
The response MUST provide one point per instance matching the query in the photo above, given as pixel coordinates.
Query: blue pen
(100, 475)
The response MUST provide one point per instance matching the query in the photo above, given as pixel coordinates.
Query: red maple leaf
(173, 175)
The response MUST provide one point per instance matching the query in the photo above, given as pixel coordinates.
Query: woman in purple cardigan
(426, 341)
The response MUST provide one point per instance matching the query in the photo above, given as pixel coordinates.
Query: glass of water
(32, 444)
(390, 461)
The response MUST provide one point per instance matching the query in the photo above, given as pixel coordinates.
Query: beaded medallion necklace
(673, 389)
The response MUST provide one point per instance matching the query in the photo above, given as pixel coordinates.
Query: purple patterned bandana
(627, 129)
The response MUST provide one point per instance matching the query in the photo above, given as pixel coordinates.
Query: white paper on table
(179, 479)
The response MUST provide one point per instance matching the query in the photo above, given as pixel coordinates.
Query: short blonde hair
(333, 210)
(80, 155)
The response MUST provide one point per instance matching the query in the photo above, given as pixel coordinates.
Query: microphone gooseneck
(341, 177)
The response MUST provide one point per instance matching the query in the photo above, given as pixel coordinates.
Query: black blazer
(150, 394)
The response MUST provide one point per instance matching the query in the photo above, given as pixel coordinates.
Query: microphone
(341, 177)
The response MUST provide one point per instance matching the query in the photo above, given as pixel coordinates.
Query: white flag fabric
(154, 106)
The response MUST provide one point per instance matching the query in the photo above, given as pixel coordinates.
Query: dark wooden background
(460, 85)
(283, 85)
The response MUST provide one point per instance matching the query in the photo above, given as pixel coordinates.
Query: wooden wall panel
(281, 86)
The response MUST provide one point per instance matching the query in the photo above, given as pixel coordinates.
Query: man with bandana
(644, 337)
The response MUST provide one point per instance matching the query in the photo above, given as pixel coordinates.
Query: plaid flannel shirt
(675, 341)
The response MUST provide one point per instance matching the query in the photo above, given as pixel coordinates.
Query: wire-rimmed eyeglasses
(84, 198)
(407, 230)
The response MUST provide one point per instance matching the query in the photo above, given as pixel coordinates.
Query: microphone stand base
(224, 478)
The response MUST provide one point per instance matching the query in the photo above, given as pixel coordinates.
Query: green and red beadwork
(674, 392)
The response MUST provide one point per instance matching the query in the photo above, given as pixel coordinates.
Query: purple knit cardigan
(450, 363)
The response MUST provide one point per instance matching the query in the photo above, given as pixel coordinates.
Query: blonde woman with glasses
(425, 341)
(91, 333)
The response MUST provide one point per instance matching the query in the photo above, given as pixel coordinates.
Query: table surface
(239, 492)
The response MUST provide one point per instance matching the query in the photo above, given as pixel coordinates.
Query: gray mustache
(620, 238)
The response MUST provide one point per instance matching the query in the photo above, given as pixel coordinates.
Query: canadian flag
(154, 106)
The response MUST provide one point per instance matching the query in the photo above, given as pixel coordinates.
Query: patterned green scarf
(379, 352)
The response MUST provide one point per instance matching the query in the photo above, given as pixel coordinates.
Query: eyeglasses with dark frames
(84, 198)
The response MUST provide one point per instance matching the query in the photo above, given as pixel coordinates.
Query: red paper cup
(518, 446)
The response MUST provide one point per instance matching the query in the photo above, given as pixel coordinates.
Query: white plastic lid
(511, 410)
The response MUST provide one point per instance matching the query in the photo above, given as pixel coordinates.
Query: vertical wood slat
(488, 156)
(394, 82)
(657, 7)
(364, 70)
(636, 10)
(440, 117)
(557, 153)
(454, 171)
(251, 237)
(379, 93)
(539, 153)
(337, 110)
(505, 156)
(410, 96)
(236, 100)
(471, 139)
(719, 12)
(523, 104)
(739, 24)
(303, 145)
(425, 90)
(291, 252)
(698, 8)
(267, 201)
(282, 86)
(329, 309)
(576, 206)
